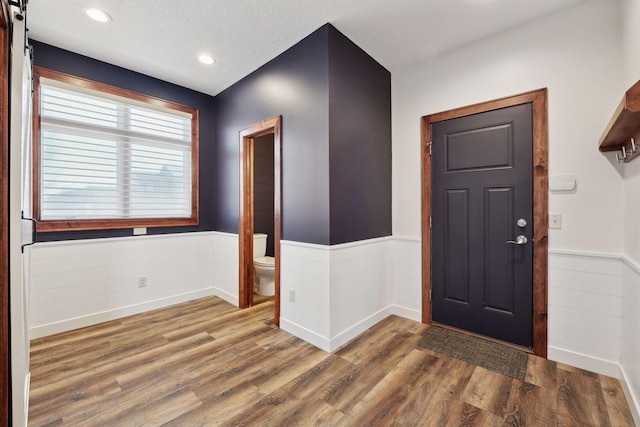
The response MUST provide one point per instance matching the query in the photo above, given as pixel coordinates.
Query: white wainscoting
(340, 290)
(306, 270)
(226, 266)
(585, 310)
(84, 282)
(407, 277)
(630, 347)
(361, 278)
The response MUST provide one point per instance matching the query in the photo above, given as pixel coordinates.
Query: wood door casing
(538, 100)
(245, 217)
(5, 367)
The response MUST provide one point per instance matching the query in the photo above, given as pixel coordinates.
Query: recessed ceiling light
(205, 59)
(97, 14)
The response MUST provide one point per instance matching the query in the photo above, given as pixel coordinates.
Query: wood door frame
(5, 366)
(245, 219)
(538, 99)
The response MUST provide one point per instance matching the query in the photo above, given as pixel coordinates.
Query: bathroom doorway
(255, 141)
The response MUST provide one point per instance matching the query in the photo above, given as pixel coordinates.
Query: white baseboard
(632, 398)
(228, 297)
(27, 388)
(105, 316)
(332, 344)
(600, 366)
(352, 332)
(589, 363)
(407, 313)
(323, 343)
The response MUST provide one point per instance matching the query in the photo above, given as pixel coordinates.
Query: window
(106, 157)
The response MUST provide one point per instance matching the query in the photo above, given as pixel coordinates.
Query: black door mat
(502, 359)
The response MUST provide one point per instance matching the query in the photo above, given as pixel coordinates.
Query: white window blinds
(110, 157)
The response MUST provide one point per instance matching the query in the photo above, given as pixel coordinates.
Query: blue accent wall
(359, 143)
(335, 102)
(72, 63)
(294, 85)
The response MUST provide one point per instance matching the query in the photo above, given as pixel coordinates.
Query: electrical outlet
(142, 281)
(292, 295)
(137, 231)
(555, 221)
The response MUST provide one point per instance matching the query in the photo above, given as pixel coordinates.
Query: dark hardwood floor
(206, 362)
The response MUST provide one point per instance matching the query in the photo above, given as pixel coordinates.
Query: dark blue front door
(482, 221)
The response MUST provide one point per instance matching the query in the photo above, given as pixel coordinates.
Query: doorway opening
(255, 143)
(539, 169)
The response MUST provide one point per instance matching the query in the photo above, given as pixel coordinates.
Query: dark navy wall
(263, 190)
(294, 85)
(335, 101)
(359, 143)
(82, 66)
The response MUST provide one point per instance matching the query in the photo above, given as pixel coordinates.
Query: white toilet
(263, 267)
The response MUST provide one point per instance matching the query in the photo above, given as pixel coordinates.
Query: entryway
(253, 140)
(484, 219)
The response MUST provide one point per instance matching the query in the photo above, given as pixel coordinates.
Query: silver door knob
(520, 240)
(522, 223)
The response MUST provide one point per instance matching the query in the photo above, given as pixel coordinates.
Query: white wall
(576, 54)
(306, 270)
(630, 332)
(631, 40)
(407, 277)
(630, 345)
(340, 290)
(226, 268)
(631, 44)
(585, 310)
(83, 282)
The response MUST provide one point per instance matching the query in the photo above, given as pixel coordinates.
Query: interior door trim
(538, 99)
(245, 219)
(5, 367)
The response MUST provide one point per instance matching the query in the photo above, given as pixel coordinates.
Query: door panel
(482, 183)
(498, 222)
(457, 246)
(479, 149)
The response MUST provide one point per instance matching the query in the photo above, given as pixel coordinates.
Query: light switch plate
(555, 221)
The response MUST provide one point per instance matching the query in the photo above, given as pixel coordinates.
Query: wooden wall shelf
(624, 125)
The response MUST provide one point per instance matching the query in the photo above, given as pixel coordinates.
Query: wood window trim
(538, 99)
(104, 224)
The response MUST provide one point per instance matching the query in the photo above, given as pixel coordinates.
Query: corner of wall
(630, 342)
(328, 280)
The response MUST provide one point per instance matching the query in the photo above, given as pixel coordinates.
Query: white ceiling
(162, 38)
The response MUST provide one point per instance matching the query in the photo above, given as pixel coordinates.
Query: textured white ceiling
(162, 38)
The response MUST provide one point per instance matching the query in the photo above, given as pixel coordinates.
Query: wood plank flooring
(206, 362)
